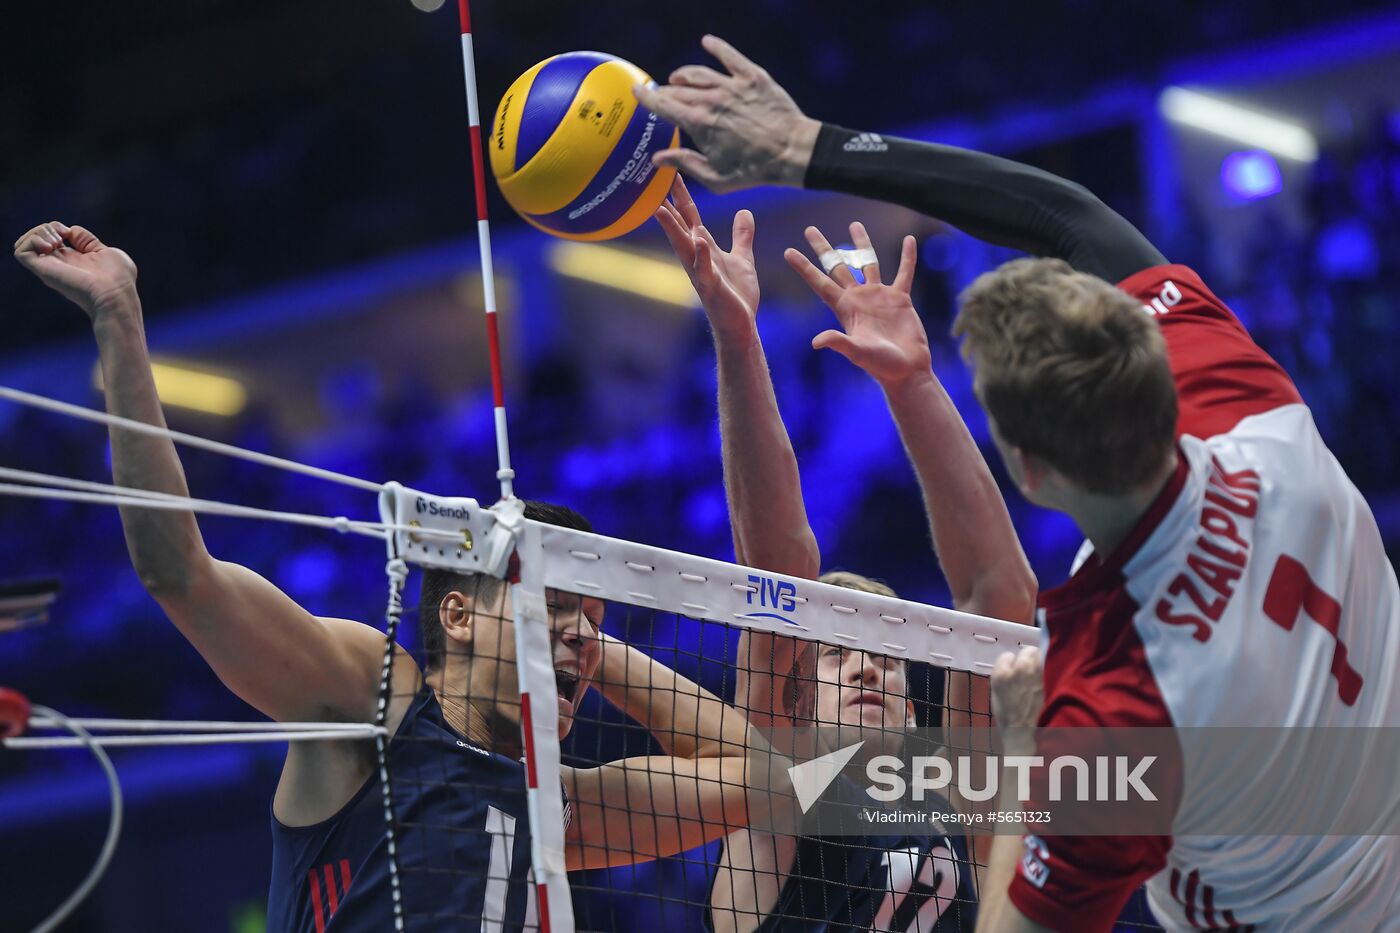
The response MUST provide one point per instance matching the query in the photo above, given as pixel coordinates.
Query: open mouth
(567, 684)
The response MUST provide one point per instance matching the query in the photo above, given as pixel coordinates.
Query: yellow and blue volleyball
(571, 147)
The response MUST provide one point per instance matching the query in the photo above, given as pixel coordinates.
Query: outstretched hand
(76, 264)
(725, 281)
(748, 129)
(881, 332)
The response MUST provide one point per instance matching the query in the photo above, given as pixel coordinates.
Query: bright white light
(1242, 124)
(428, 6)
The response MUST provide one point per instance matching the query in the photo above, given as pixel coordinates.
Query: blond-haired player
(776, 881)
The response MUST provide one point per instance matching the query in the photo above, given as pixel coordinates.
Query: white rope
(201, 725)
(209, 738)
(65, 482)
(114, 823)
(206, 506)
(190, 440)
(75, 490)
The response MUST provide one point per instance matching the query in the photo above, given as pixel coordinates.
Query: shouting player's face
(861, 689)
(492, 674)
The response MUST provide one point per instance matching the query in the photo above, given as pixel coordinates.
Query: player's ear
(1017, 461)
(455, 614)
(1029, 468)
(1030, 472)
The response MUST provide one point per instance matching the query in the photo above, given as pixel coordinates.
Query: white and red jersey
(1254, 592)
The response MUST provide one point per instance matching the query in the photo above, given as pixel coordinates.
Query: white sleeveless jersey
(1255, 592)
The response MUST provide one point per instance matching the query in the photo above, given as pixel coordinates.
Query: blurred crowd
(1325, 303)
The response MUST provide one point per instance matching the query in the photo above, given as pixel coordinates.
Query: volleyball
(571, 148)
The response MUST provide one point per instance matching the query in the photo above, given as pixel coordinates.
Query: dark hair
(438, 583)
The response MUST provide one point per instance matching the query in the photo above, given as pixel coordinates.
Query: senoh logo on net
(432, 507)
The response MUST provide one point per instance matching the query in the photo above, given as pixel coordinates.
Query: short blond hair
(854, 581)
(1072, 370)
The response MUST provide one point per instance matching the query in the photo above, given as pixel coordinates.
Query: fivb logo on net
(771, 594)
(889, 778)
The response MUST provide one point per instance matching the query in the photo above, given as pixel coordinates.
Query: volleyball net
(647, 660)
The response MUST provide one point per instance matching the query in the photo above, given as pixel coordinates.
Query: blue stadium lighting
(1251, 175)
(941, 251)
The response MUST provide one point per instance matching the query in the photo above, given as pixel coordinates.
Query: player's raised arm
(768, 519)
(750, 132)
(881, 333)
(766, 511)
(715, 773)
(264, 647)
(972, 533)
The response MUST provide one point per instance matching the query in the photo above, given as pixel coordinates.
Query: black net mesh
(660, 794)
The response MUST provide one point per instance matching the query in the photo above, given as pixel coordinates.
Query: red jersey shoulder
(1222, 375)
(1096, 668)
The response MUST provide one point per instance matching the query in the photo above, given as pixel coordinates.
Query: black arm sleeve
(993, 199)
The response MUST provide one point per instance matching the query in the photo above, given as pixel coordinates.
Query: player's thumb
(835, 340)
(83, 239)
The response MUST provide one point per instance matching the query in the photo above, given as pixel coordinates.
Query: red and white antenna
(488, 282)
(540, 739)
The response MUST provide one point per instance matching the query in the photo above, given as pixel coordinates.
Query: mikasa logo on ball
(501, 122)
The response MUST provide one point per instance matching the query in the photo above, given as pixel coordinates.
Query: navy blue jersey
(463, 843)
(920, 882)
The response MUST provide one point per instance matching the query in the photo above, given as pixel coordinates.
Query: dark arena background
(294, 181)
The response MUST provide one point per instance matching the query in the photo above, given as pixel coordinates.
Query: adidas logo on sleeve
(866, 142)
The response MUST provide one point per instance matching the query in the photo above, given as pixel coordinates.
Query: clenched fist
(1017, 695)
(77, 265)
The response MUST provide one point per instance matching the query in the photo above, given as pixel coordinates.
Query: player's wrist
(119, 302)
(907, 384)
(732, 330)
(796, 154)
